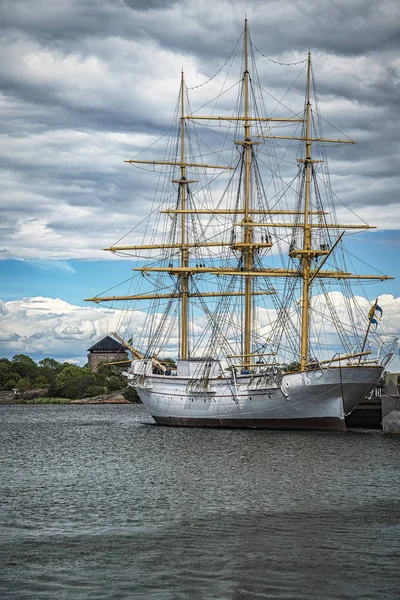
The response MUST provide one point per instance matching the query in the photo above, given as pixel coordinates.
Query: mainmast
(306, 258)
(248, 231)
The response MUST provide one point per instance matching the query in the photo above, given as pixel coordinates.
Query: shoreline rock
(115, 398)
(112, 398)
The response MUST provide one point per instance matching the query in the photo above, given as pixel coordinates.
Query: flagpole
(372, 313)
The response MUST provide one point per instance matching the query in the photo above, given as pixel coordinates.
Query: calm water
(98, 503)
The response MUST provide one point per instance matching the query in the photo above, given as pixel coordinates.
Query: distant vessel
(250, 353)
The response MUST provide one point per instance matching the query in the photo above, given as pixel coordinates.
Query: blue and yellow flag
(375, 314)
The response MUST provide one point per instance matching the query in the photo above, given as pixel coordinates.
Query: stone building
(106, 350)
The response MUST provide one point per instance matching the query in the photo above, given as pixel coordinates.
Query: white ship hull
(317, 399)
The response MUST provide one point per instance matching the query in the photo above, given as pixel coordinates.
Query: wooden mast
(184, 277)
(306, 260)
(247, 231)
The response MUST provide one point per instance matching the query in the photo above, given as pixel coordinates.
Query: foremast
(184, 277)
(184, 270)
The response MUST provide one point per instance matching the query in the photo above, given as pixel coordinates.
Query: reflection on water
(99, 503)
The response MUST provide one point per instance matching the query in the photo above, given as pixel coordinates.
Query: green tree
(48, 368)
(73, 382)
(114, 383)
(25, 366)
(50, 363)
(111, 376)
(7, 372)
(94, 390)
(10, 384)
(23, 384)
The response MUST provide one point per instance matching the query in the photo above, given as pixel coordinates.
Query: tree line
(60, 379)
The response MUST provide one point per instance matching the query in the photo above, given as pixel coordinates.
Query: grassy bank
(43, 401)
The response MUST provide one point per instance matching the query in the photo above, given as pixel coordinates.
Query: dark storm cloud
(341, 27)
(88, 83)
(148, 4)
(209, 28)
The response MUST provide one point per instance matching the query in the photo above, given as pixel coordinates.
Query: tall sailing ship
(246, 277)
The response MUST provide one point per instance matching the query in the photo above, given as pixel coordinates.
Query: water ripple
(99, 504)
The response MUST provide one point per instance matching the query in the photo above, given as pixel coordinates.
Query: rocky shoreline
(112, 398)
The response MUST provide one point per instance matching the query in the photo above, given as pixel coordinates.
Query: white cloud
(52, 327)
(86, 85)
(42, 327)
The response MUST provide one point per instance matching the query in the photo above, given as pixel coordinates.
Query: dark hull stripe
(327, 423)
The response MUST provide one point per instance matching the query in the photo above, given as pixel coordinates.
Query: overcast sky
(86, 84)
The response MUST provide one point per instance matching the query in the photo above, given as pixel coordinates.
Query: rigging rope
(220, 69)
(276, 62)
